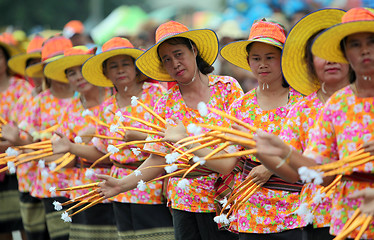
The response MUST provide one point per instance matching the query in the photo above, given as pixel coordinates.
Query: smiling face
(359, 50)
(265, 62)
(78, 83)
(120, 70)
(330, 72)
(179, 61)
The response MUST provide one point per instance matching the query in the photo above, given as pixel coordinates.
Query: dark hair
(7, 57)
(28, 62)
(284, 82)
(308, 56)
(352, 74)
(204, 67)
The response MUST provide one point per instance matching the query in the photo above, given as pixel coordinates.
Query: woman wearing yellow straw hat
(345, 124)
(137, 214)
(11, 89)
(45, 111)
(32, 210)
(184, 56)
(98, 221)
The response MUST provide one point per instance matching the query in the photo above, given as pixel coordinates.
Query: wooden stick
(88, 206)
(33, 153)
(237, 140)
(91, 185)
(195, 141)
(151, 125)
(83, 202)
(232, 118)
(237, 191)
(190, 169)
(349, 167)
(153, 113)
(100, 159)
(137, 142)
(355, 224)
(178, 172)
(143, 130)
(364, 227)
(34, 158)
(227, 130)
(95, 119)
(50, 129)
(354, 216)
(65, 162)
(235, 154)
(80, 197)
(217, 150)
(103, 137)
(214, 142)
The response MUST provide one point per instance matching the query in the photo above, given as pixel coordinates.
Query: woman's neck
(197, 91)
(93, 97)
(124, 94)
(364, 86)
(272, 95)
(4, 82)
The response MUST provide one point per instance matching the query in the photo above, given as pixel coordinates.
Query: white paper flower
(120, 116)
(41, 163)
(57, 205)
(194, 129)
(114, 128)
(11, 167)
(86, 112)
(11, 152)
(141, 185)
(44, 173)
(52, 166)
(136, 151)
(137, 172)
(318, 197)
(198, 159)
(183, 183)
(172, 157)
(89, 172)
(308, 175)
(78, 139)
(112, 149)
(134, 101)
(202, 108)
(221, 219)
(302, 210)
(52, 190)
(65, 217)
(171, 168)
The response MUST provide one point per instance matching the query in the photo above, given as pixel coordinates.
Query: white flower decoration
(202, 108)
(57, 205)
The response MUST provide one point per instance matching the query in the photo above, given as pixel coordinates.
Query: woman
(46, 111)
(264, 107)
(11, 90)
(96, 222)
(335, 134)
(141, 214)
(185, 56)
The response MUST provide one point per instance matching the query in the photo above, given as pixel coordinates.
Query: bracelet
(286, 159)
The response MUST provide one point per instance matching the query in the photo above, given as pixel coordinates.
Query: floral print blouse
(153, 193)
(267, 211)
(345, 123)
(198, 196)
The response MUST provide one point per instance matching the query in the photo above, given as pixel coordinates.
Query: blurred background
(138, 20)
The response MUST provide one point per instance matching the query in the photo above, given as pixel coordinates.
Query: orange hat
(18, 62)
(327, 44)
(8, 42)
(52, 47)
(92, 69)
(74, 56)
(73, 27)
(261, 31)
(205, 39)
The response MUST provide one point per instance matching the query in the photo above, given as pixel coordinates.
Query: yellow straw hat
(34, 49)
(7, 42)
(205, 39)
(294, 65)
(261, 31)
(327, 44)
(92, 69)
(51, 48)
(74, 56)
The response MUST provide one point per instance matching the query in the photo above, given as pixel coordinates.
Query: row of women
(315, 94)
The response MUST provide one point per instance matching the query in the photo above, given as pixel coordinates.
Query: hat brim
(327, 44)
(18, 62)
(236, 52)
(206, 42)
(92, 69)
(294, 66)
(12, 51)
(56, 69)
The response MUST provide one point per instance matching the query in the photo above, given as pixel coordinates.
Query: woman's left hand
(260, 175)
(174, 133)
(369, 147)
(367, 205)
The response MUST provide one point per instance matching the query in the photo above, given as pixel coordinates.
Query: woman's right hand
(61, 145)
(109, 187)
(270, 144)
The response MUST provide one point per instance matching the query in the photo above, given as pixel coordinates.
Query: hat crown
(115, 43)
(169, 29)
(35, 44)
(265, 29)
(79, 50)
(73, 27)
(8, 38)
(55, 46)
(358, 14)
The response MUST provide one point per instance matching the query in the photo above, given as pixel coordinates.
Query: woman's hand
(109, 187)
(270, 144)
(369, 147)
(132, 135)
(174, 133)
(61, 145)
(367, 205)
(10, 133)
(260, 175)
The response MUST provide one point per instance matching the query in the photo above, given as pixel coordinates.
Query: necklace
(321, 97)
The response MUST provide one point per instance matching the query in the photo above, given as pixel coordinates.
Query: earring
(125, 89)
(263, 86)
(323, 88)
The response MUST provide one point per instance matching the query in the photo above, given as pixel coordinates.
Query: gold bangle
(286, 159)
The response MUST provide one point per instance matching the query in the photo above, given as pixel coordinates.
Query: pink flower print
(143, 196)
(267, 221)
(279, 218)
(271, 116)
(187, 199)
(339, 118)
(367, 107)
(244, 223)
(310, 122)
(290, 221)
(281, 112)
(282, 205)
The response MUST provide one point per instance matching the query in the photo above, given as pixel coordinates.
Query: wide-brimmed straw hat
(8, 46)
(34, 49)
(74, 56)
(327, 44)
(51, 48)
(92, 69)
(261, 31)
(72, 27)
(294, 65)
(206, 42)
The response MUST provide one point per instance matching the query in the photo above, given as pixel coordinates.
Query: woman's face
(179, 61)
(120, 70)
(76, 80)
(3, 63)
(330, 72)
(359, 50)
(265, 62)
